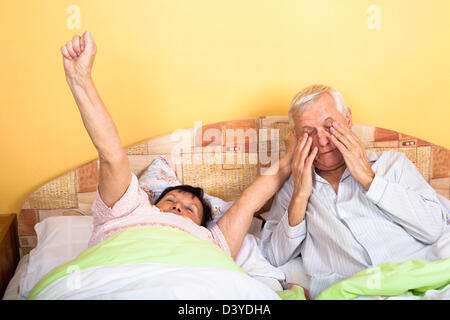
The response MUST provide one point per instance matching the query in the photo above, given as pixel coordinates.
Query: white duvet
(156, 281)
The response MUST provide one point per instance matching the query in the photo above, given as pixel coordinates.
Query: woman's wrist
(78, 81)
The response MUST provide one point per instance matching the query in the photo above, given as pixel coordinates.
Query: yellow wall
(163, 64)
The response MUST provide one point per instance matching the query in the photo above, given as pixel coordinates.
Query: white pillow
(59, 239)
(159, 176)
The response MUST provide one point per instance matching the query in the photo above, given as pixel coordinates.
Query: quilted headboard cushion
(222, 158)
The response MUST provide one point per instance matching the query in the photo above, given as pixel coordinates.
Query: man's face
(316, 121)
(183, 204)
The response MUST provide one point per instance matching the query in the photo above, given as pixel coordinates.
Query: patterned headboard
(223, 158)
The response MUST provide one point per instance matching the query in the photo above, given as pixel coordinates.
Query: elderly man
(351, 209)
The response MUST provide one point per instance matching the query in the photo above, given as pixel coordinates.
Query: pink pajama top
(134, 210)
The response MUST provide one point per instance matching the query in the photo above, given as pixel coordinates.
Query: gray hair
(306, 97)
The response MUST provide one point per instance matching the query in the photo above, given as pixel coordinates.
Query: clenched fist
(78, 57)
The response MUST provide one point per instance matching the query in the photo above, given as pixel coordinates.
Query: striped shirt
(397, 219)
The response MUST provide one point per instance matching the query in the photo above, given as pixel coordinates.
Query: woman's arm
(235, 223)
(115, 174)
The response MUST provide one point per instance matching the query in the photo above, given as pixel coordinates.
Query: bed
(55, 222)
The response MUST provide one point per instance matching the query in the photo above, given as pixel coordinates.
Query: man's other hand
(354, 153)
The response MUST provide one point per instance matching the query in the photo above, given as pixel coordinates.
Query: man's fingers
(343, 139)
(341, 147)
(299, 147)
(311, 157)
(307, 170)
(297, 161)
(305, 150)
(344, 134)
(304, 154)
(302, 142)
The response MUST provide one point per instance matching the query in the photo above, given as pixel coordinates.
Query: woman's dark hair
(198, 192)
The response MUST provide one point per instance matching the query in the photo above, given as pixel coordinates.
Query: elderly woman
(120, 202)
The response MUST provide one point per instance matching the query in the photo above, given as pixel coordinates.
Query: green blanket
(144, 245)
(171, 246)
(164, 245)
(392, 279)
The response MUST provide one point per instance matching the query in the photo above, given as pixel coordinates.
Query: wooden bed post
(9, 249)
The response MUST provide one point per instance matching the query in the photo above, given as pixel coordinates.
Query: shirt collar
(371, 158)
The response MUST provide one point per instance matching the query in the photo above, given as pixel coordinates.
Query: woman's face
(183, 204)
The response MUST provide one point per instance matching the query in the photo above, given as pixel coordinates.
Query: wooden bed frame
(254, 141)
(9, 249)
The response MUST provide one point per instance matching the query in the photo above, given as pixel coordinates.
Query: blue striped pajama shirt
(397, 219)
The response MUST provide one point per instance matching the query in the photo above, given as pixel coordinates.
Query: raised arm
(235, 223)
(115, 175)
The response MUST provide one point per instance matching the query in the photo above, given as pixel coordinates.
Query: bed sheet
(250, 259)
(12, 290)
(291, 272)
(276, 278)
